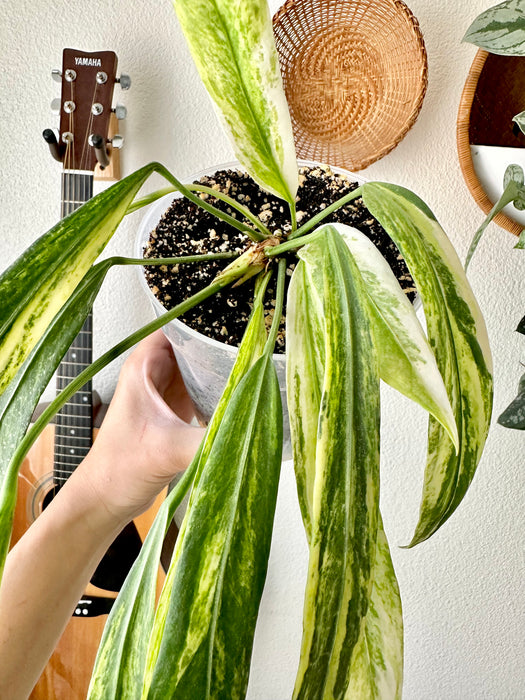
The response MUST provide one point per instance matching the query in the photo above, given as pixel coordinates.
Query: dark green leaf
(514, 415)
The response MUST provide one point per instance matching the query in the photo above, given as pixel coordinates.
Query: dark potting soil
(186, 229)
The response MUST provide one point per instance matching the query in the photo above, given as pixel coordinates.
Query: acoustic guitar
(86, 148)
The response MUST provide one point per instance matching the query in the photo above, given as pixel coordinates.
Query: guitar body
(67, 675)
(86, 144)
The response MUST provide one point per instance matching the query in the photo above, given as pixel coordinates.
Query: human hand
(145, 438)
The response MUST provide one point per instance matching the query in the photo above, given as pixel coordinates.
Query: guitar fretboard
(74, 422)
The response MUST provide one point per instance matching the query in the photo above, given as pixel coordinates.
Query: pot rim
(154, 212)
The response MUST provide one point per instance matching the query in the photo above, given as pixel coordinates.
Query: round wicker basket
(354, 73)
(463, 145)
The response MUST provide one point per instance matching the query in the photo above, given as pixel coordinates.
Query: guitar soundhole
(49, 497)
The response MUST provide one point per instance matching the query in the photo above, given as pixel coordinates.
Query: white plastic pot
(205, 364)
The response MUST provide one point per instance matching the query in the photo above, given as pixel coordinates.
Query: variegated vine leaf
(520, 121)
(500, 29)
(202, 639)
(36, 286)
(121, 659)
(406, 361)
(514, 415)
(233, 47)
(343, 511)
(458, 336)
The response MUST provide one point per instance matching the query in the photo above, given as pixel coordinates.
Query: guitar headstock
(85, 108)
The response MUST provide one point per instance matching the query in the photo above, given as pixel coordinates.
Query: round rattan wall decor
(492, 95)
(355, 75)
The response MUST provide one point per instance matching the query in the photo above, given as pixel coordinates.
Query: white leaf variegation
(458, 337)
(233, 47)
(406, 361)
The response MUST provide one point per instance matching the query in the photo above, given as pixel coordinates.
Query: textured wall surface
(463, 591)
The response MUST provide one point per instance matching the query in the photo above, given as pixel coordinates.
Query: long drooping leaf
(305, 367)
(376, 671)
(406, 361)
(19, 401)
(233, 48)
(202, 644)
(121, 659)
(500, 29)
(377, 661)
(345, 499)
(38, 283)
(457, 334)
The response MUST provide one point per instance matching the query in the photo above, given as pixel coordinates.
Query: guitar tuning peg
(56, 149)
(56, 74)
(117, 141)
(125, 81)
(55, 105)
(120, 111)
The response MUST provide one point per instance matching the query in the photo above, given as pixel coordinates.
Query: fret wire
(77, 414)
(64, 463)
(65, 459)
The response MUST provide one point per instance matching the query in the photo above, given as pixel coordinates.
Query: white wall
(463, 591)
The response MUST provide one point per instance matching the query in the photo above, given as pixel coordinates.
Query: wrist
(85, 503)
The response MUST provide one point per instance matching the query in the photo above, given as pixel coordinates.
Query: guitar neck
(74, 422)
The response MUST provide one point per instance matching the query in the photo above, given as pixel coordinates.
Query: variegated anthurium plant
(501, 30)
(349, 325)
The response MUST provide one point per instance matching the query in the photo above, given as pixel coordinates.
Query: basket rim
(359, 163)
(463, 147)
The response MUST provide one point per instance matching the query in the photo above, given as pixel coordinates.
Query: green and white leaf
(514, 415)
(305, 367)
(39, 282)
(121, 659)
(376, 671)
(458, 336)
(21, 397)
(233, 47)
(201, 643)
(500, 29)
(406, 361)
(346, 487)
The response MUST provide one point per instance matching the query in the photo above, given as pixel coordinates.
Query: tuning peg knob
(120, 111)
(55, 105)
(125, 81)
(56, 74)
(117, 141)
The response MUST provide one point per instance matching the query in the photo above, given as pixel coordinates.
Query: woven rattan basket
(354, 73)
(464, 140)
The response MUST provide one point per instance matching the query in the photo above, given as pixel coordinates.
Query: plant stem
(149, 199)
(509, 195)
(278, 309)
(272, 252)
(311, 223)
(119, 260)
(108, 357)
(234, 204)
(293, 217)
(203, 204)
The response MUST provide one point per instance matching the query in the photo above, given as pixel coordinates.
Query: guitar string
(76, 415)
(89, 128)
